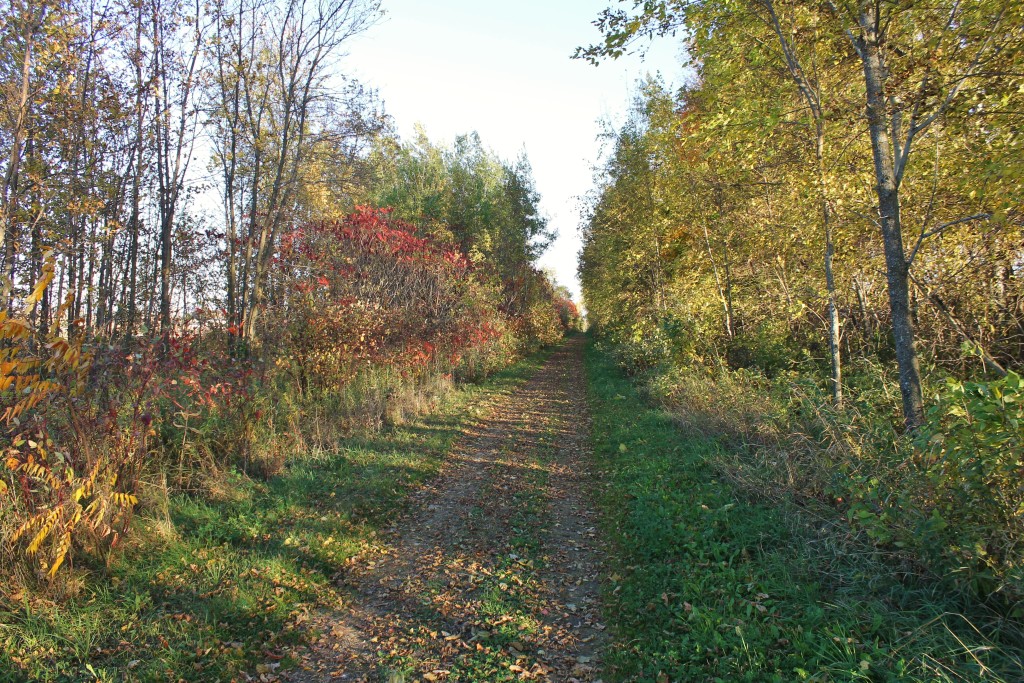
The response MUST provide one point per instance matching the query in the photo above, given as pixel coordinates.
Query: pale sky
(502, 69)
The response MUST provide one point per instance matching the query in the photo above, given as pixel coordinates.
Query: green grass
(228, 591)
(708, 584)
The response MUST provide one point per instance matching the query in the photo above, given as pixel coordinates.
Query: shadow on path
(492, 575)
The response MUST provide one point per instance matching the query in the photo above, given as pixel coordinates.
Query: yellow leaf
(47, 276)
(37, 541)
(62, 551)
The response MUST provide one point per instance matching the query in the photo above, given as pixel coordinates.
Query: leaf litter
(493, 572)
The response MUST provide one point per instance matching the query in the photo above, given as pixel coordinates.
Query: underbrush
(216, 583)
(945, 503)
(120, 432)
(733, 557)
(371, 326)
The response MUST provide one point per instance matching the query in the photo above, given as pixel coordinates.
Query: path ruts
(493, 573)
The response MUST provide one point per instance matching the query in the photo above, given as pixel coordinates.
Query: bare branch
(942, 227)
(940, 305)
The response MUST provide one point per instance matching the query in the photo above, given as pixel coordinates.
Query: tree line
(214, 246)
(877, 140)
(119, 115)
(818, 240)
(160, 149)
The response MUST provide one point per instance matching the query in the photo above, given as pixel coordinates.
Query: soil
(492, 573)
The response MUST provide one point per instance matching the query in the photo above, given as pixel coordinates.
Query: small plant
(65, 483)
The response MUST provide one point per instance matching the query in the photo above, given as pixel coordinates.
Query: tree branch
(941, 307)
(939, 229)
(970, 72)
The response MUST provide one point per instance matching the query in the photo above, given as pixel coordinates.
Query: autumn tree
(922, 68)
(272, 101)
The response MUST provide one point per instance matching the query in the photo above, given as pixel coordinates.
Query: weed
(710, 583)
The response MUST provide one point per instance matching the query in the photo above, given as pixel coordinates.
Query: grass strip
(705, 584)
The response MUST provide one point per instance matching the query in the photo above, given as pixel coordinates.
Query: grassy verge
(217, 588)
(709, 585)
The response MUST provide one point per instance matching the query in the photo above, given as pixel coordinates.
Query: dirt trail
(493, 573)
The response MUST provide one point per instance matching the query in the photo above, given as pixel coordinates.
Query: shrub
(366, 289)
(949, 502)
(972, 454)
(70, 477)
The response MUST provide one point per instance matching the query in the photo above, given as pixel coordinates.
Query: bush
(972, 454)
(367, 289)
(71, 470)
(763, 348)
(949, 502)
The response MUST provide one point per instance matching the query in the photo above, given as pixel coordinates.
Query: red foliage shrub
(368, 289)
